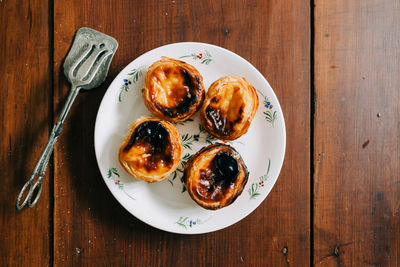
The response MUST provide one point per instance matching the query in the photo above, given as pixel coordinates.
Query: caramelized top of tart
(230, 105)
(152, 150)
(173, 89)
(215, 176)
(149, 147)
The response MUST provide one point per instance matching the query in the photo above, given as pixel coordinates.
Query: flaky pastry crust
(229, 108)
(152, 150)
(173, 89)
(215, 176)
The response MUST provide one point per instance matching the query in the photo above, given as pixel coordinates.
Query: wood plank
(25, 96)
(357, 148)
(90, 225)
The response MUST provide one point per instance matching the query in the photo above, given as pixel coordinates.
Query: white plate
(166, 205)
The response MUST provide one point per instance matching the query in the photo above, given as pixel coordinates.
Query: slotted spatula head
(87, 63)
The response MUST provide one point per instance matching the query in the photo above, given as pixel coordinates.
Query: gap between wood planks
(51, 123)
(312, 113)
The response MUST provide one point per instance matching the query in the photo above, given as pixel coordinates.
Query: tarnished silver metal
(86, 67)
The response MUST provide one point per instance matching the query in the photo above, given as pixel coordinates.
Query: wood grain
(91, 228)
(357, 142)
(25, 97)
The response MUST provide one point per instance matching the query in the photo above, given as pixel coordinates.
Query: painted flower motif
(268, 105)
(112, 174)
(127, 82)
(183, 185)
(270, 115)
(133, 78)
(192, 223)
(196, 137)
(185, 222)
(205, 58)
(254, 190)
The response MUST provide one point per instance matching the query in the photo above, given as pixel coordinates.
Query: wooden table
(335, 68)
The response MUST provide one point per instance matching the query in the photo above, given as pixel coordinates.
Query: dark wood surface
(357, 133)
(25, 114)
(335, 71)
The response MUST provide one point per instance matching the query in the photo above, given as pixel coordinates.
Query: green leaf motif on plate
(205, 58)
(181, 122)
(187, 141)
(255, 187)
(134, 75)
(179, 171)
(114, 175)
(186, 223)
(112, 171)
(270, 114)
(208, 138)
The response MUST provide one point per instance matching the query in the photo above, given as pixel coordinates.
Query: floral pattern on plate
(133, 77)
(179, 171)
(255, 187)
(205, 58)
(114, 175)
(270, 114)
(185, 222)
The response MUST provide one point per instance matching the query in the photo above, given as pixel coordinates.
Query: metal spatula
(86, 67)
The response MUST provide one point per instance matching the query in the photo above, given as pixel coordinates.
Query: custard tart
(229, 107)
(215, 176)
(173, 89)
(152, 150)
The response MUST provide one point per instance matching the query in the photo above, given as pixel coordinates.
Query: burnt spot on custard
(215, 99)
(192, 87)
(155, 138)
(241, 110)
(218, 118)
(218, 177)
(220, 180)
